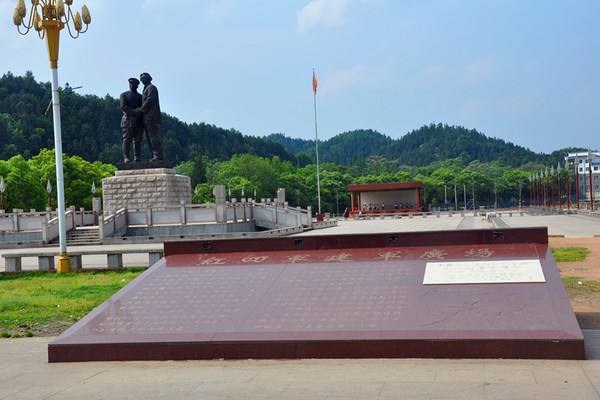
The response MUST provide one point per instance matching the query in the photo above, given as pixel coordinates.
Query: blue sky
(525, 71)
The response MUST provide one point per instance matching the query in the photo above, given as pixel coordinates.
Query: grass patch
(579, 286)
(570, 254)
(39, 303)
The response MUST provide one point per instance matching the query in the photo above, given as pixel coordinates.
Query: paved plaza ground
(564, 225)
(25, 374)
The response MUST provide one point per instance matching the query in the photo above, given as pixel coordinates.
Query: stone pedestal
(143, 188)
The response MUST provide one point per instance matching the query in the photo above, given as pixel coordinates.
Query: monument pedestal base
(143, 188)
(353, 296)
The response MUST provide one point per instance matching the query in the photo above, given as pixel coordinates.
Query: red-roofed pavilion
(385, 198)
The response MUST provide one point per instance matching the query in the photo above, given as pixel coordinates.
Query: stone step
(84, 236)
(70, 243)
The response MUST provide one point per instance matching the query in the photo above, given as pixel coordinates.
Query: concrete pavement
(405, 224)
(25, 374)
(566, 225)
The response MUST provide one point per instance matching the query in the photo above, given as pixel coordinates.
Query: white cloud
(327, 13)
(343, 79)
(480, 70)
(212, 10)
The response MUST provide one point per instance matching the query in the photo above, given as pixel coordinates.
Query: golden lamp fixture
(47, 18)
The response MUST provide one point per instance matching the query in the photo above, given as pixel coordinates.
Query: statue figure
(152, 117)
(132, 121)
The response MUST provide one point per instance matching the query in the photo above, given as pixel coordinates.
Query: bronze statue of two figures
(141, 116)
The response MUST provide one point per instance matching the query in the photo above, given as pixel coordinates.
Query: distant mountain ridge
(430, 143)
(92, 127)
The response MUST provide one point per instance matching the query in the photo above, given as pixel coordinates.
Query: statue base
(137, 189)
(146, 164)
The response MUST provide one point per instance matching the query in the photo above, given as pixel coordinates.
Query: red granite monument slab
(352, 296)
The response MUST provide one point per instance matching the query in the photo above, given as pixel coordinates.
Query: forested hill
(91, 127)
(420, 147)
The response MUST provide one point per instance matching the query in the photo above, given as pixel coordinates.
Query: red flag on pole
(315, 82)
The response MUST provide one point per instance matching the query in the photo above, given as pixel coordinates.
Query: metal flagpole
(591, 180)
(576, 182)
(537, 189)
(552, 185)
(567, 185)
(559, 181)
(317, 141)
(455, 199)
(465, 195)
(530, 191)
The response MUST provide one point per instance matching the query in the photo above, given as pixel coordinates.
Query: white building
(580, 162)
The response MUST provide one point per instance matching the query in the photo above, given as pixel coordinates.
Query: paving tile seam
(580, 363)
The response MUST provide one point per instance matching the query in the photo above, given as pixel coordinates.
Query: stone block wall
(143, 188)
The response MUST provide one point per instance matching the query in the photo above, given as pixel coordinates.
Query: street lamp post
(2, 189)
(93, 191)
(48, 18)
(49, 191)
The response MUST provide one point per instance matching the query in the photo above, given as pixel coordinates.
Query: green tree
(79, 175)
(23, 188)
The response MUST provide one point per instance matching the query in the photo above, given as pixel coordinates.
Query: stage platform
(352, 296)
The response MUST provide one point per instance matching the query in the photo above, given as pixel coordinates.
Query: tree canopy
(91, 128)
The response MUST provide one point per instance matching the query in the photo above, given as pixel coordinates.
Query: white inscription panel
(498, 271)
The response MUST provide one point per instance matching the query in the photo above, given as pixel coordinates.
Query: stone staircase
(83, 236)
